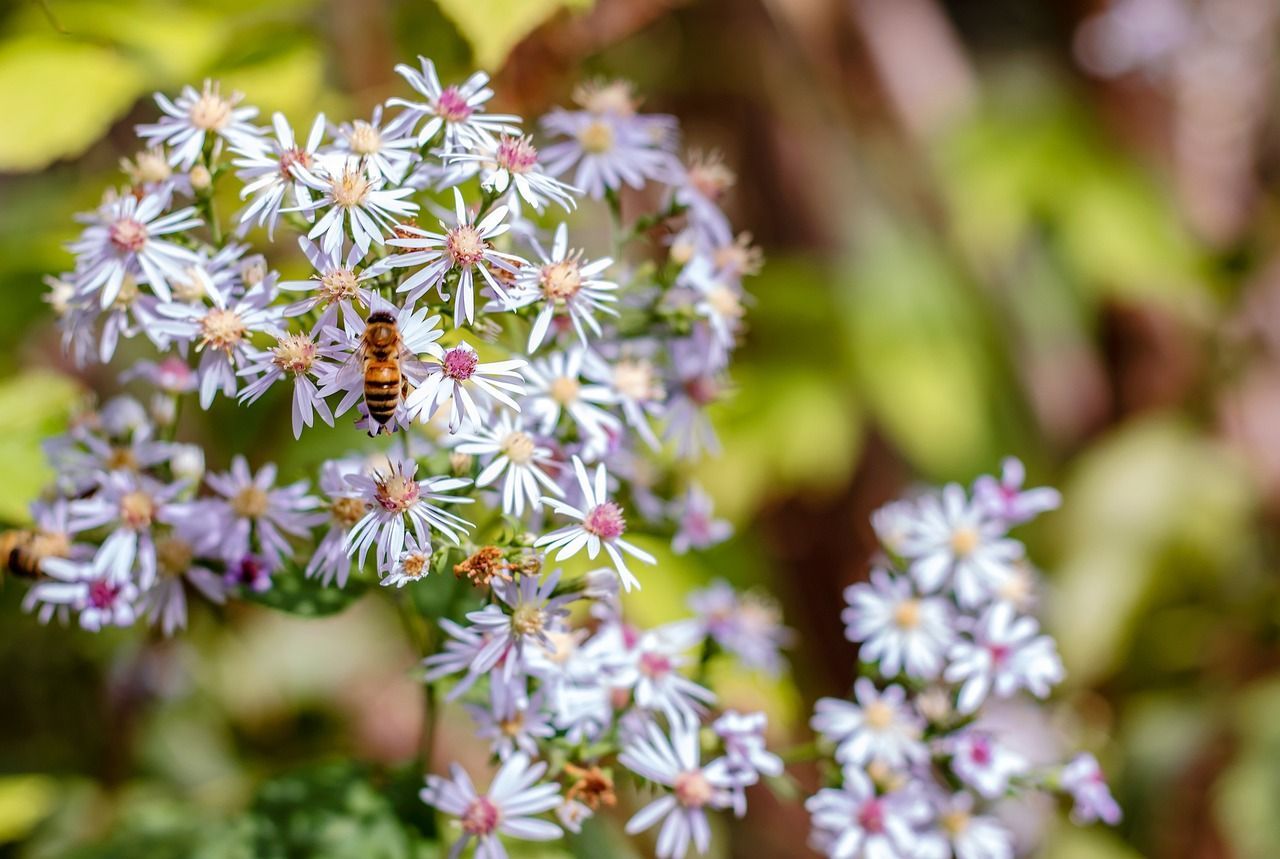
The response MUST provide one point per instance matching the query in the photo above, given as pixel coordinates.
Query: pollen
(346, 512)
(250, 502)
(693, 790)
(460, 364)
(295, 353)
(527, 620)
(364, 139)
(452, 107)
(561, 281)
(517, 154)
(518, 447)
(128, 235)
(596, 137)
(396, 492)
(147, 167)
(464, 246)
(878, 715)
(338, 285)
(211, 112)
(137, 509)
(350, 190)
(955, 822)
(174, 555)
(221, 329)
(122, 459)
(564, 390)
(414, 565)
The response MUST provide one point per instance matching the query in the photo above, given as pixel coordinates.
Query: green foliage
(493, 27)
(292, 592)
(33, 406)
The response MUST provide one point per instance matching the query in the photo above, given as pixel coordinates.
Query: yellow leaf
(58, 96)
(25, 800)
(33, 406)
(493, 27)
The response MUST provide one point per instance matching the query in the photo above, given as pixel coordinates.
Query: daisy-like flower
(898, 629)
(413, 564)
(465, 247)
(93, 589)
(1006, 500)
(513, 454)
(221, 333)
(357, 202)
(652, 672)
(855, 822)
(983, 764)
(165, 602)
(508, 808)
(131, 505)
(534, 612)
(744, 752)
(1083, 779)
(397, 501)
(512, 162)
(192, 116)
(467, 384)
(694, 788)
(717, 300)
(511, 727)
(330, 560)
(1007, 653)
(124, 238)
(295, 356)
(335, 284)
(385, 153)
(748, 626)
(638, 391)
(699, 189)
(880, 727)
(697, 526)
(566, 285)
(273, 169)
(556, 387)
(953, 540)
(600, 524)
(251, 505)
(965, 835)
(458, 111)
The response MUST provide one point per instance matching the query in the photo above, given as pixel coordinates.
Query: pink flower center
(460, 364)
(871, 816)
(290, 157)
(517, 154)
(980, 752)
(703, 390)
(693, 790)
(999, 653)
(605, 521)
(452, 107)
(654, 665)
(128, 234)
(102, 594)
(464, 246)
(397, 492)
(481, 817)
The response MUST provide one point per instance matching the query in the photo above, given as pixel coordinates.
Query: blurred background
(991, 227)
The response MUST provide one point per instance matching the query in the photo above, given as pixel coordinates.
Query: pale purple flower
(507, 808)
(297, 357)
(556, 387)
(1006, 654)
(697, 526)
(165, 602)
(335, 284)
(330, 561)
(694, 787)
(511, 163)
(397, 501)
(1083, 779)
(745, 754)
(747, 626)
(385, 153)
(510, 452)
(271, 170)
(1006, 500)
(984, 764)
(358, 203)
(94, 589)
(250, 508)
(124, 239)
(962, 834)
(461, 380)
(899, 630)
(511, 726)
(600, 524)
(652, 672)
(531, 612)
(413, 564)
(130, 505)
(195, 114)
(458, 110)
(607, 150)
(881, 726)
(854, 822)
(698, 187)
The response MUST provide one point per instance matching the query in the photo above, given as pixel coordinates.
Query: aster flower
(1006, 500)
(457, 656)
(124, 238)
(965, 835)
(357, 203)
(698, 528)
(330, 561)
(651, 669)
(397, 501)
(458, 111)
(251, 505)
(745, 754)
(94, 589)
(465, 247)
(511, 453)
(385, 153)
(879, 727)
(1006, 654)
(983, 764)
(467, 384)
(413, 564)
(534, 612)
(600, 525)
(1083, 779)
(297, 356)
(165, 602)
(637, 390)
(674, 763)
(511, 727)
(556, 387)
(506, 809)
(899, 630)
(747, 626)
(511, 162)
(272, 170)
(192, 116)
(952, 540)
(855, 822)
(130, 505)
(698, 188)
(335, 284)
(565, 285)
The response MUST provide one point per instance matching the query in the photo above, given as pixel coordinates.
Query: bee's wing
(351, 374)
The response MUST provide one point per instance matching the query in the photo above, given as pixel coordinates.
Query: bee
(385, 384)
(22, 551)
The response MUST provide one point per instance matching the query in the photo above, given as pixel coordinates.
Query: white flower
(271, 169)
(1005, 498)
(600, 524)
(674, 763)
(396, 501)
(506, 809)
(855, 822)
(457, 110)
(698, 528)
(330, 561)
(94, 589)
(413, 564)
(336, 282)
(984, 764)
(386, 154)
(355, 198)
(192, 116)
(467, 384)
(123, 238)
(1005, 655)
(131, 505)
(564, 284)
(899, 630)
(744, 752)
(880, 727)
(512, 162)
(555, 387)
(652, 671)
(513, 452)
(465, 246)
(965, 835)
(297, 356)
(534, 612)
(511, 726)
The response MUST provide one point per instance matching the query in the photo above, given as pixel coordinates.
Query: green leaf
(24, 801)
(33, 406)
(294, 593)
(493, 27)
(66, 94)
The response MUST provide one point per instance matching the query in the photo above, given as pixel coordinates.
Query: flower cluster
(924, 765)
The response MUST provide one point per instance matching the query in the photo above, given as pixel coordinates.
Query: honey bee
(22, 551)
(385, 385)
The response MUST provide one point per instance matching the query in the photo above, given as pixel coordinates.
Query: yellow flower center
(564, 390)
(964, 541)
(350, 190)
(561, 281)
(221, 329)
(210, 112)
(596, 137)
(907, 614)
(518, 447)
(250, 502)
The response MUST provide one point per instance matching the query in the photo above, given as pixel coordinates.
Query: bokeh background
(992, 227)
